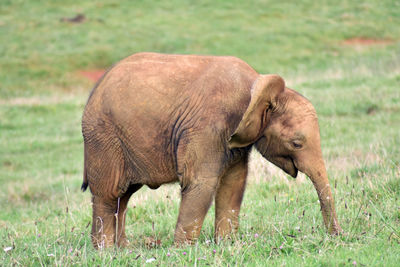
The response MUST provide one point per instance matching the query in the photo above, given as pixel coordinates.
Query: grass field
(343, 55)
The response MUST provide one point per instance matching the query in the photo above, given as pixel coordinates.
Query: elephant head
(283, 125)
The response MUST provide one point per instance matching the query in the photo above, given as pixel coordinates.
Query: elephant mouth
(293, 170)
(286, 164)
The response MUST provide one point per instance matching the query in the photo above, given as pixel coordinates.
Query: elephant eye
(297, 145)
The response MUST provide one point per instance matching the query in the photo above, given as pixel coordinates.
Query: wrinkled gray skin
(156, 119)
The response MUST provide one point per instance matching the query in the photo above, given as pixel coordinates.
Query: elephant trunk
(319, 178)
(313, 165)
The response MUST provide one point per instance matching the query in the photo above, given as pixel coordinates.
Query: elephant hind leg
(103, 171)
(108, 226)
(103, 224)
(109, 182)
(122, 207)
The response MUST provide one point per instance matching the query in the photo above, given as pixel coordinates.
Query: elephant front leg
(196, 200)
(228, 200)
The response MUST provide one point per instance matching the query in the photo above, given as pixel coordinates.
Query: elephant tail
(85, 183)
(85, 180)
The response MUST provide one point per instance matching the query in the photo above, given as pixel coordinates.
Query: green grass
(355, 88)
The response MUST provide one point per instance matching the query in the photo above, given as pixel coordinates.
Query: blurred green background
(343, 55)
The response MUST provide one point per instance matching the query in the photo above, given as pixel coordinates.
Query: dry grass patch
(44, 100)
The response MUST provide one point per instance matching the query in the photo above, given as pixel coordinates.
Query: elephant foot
(123, 242)
(335, 231)
(186, 237)
(102, 241)
(183, 243)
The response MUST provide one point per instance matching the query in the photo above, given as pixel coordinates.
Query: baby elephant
(155, 119)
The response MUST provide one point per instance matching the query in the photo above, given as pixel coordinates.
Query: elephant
(154, 119)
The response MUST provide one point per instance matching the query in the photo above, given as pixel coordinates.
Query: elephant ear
(263, 94)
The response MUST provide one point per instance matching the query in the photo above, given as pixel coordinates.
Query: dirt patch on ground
(93, 75)
(362, 41)
(79, 18)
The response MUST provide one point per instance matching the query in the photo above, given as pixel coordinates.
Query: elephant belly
(150, 165)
